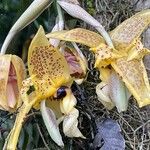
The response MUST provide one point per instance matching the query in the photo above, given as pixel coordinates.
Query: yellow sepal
(78, 35)
(48, 65)
(124, 34)
(134, 75)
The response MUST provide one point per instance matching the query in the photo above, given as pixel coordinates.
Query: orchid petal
(51, 124)
(124, 35)
(78, 12)
(117, 92)
(102, 91)
(134, 75)
(47, 64)
(78, 35)
(70, 124)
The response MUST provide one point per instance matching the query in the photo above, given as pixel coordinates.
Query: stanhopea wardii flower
(125, 59)
(75, 10)
(12, 73)
(49, 72)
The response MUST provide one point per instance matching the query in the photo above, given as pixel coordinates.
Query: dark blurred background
(10, 10)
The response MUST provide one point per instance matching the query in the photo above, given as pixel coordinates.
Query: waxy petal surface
(134, 75)
(47, 64)
(5, 61)
(12, 73)
(78, 35)
(130, 29)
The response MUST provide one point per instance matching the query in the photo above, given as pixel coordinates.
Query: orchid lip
(74, 64)
(12, 88)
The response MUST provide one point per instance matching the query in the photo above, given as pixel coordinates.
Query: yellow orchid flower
(12, 73)
(49, 72)
(125, 59)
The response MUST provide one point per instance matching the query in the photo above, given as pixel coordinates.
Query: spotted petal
(78, 35)
(48, 71)
(48, 65)
(105, 55)
(134, 75)
(130, 29)
(138, 51)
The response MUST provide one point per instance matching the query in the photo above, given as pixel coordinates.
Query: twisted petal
(70, 124)
(134, 75)
(48, 65)
(78, 35)
(102, 91)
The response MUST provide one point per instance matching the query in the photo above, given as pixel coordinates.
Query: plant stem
(60, 15)
(15, 132)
